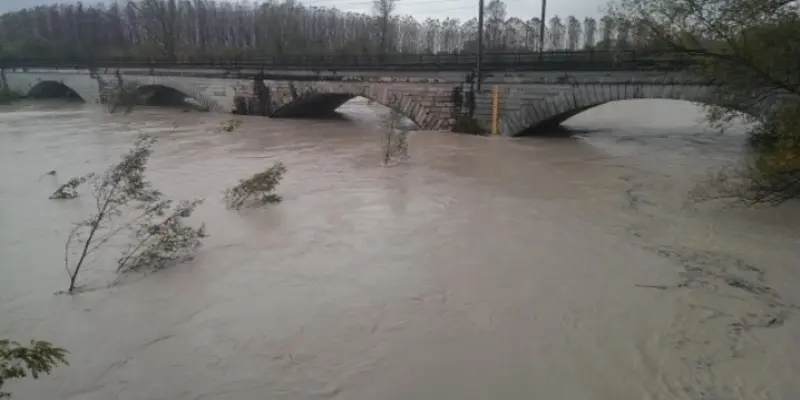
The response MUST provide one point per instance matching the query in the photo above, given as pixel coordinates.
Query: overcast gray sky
(420, 9)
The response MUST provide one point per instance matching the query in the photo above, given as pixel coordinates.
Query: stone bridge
(529, 100)
(426, 100)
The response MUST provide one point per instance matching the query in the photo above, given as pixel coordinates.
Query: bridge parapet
(591, 60)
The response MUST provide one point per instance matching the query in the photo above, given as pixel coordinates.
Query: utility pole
(479, 58)
(541, 29)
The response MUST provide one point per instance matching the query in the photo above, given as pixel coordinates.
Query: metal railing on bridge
(552, 60)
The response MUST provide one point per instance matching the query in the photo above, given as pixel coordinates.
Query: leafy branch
(159, 243)
(17, 361)
(259, 188)
(69, 190)
(126, 202)
(748, 49)
(229, 125)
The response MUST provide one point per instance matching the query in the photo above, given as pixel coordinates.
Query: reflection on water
(558, 268)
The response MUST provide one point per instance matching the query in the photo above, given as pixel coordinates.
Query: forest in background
(178, 29)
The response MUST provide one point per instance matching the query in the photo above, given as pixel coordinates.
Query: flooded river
(482, 268)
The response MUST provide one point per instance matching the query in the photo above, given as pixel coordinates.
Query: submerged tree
(259, 188)
(395, 145)
(68, 190)
(749, 49)
(17, 361)
(124, 94)
(126, 202)
(229, 125)
(161, 238)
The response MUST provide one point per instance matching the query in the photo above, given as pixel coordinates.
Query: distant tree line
(179, 29)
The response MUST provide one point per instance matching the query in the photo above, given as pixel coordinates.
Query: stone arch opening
(547, 115)
(322, 105)
(165, 96)
(325, 105)
(554, 123)
(54, 90)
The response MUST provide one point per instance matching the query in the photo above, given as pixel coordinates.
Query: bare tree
(607, 29)
(557, 31)
(573, 33)
(532, 34)
(396, 140)
(384, 9)
(589, 32)
(495, 24)
(623, 39)
(189, 29)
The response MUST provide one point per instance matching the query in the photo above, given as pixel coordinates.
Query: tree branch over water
(18, 361)
(395, 145)
(750, 49)
(126, 202)
(259, 188)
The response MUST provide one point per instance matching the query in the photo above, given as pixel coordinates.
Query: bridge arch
(325, 104)
(323, 98)
(160, 95)
(56, 89)
(171, 92)
(312, 105)
(551, 111)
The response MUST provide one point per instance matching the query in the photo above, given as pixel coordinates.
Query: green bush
(17, 361)
(8, 96)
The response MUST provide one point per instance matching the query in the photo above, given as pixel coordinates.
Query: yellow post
(495, 109)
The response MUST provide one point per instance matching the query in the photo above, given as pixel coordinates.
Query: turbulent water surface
(481, 268)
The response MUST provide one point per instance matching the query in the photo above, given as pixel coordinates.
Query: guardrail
(554, 60)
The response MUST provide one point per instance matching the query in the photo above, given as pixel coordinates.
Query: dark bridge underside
(318, 106)
(53, 90)
(553, 124)
(158, 95)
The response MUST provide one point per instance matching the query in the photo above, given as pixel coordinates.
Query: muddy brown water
(482, 268)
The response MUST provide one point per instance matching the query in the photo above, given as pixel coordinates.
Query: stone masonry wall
(429, 105)
(528, 99)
